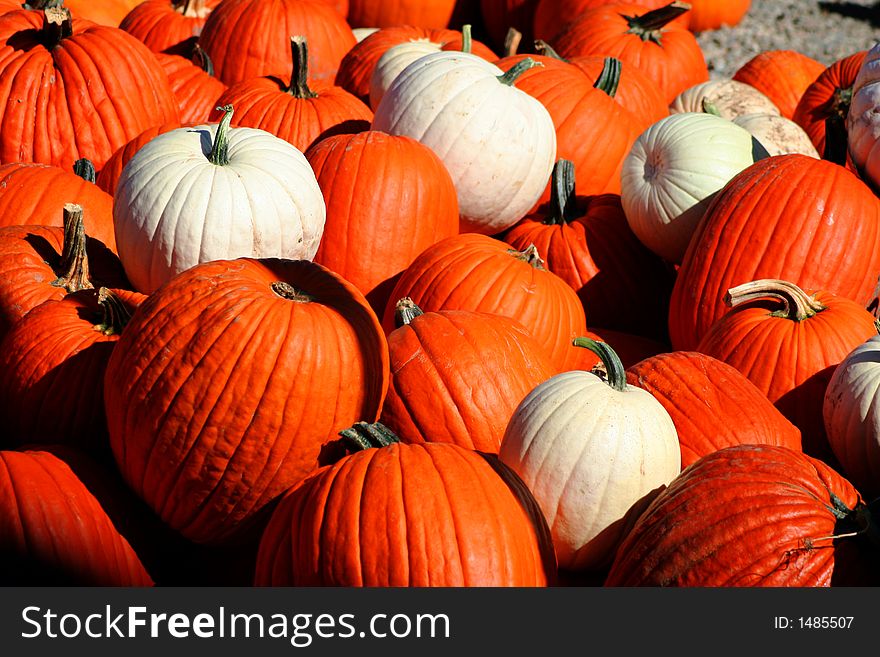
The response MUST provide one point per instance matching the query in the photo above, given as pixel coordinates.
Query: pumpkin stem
(85, 170)
(616, 373)
(57, 24)
(530, 255)
(544, 48)
(364, 435)
(649, 26)
(709, 107)
(511, 41)
(299, 85)
(287, 291)
(609, 78)
(860, 521)
(74, 260)
(201, 59)
(467, 39)
(115, 314)
(563, 209)
(797, 304)
(405, 311)
(220, 147)
(518, 69)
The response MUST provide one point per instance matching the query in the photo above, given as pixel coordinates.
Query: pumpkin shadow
(868, 13)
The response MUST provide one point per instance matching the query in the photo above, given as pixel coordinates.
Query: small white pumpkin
(589, 450)
(212, 192)
(851, 412)
(393, 61)
(498, 143)
(779, 135)
(673, 172)
(729, 97)
(863, 118)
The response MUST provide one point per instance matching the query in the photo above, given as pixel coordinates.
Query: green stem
(518, 69)
(649, 26)
(299, 80)
(563, 209)
(405, 311)
(614, 369)
(115, 314)
(797, 304)
(220, 147)
(74, 259)
(85, 170)
(609, 78)
(709, 107)
(467, 40)
(364, 435)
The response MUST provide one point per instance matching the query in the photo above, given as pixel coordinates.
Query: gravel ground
(826, 31)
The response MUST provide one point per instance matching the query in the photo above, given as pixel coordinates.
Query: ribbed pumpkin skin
(263, 103)
(425, 515)
(53, 363)
(479, 273)
(790, 361)
(818, 100)
(212, 420)
(781, 75)
(163, 26)
(54, 532)
(356, 68)
(742, 516)
(457, 376)
(675, 64)
(806, 221)
(551, 16)
(109, 175)
(712, 404)
(24, 200)
(194, 89)
(30, 260)
(53, 103)
(419, 13)
(388, 199)
(621, 284)
(266, 26)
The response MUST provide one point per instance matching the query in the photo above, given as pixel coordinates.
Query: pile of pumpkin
(325, 292)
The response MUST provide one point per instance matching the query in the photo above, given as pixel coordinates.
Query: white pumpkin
(184, 199)
(589, 450)
(731, 98)
(393, 61)
(498, 143)
(673, 172)
(851, 412)
(863, 118)
(777, 134)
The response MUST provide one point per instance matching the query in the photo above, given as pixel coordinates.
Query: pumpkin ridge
(121, 115)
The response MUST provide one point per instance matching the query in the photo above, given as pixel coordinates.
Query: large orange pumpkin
(781, 75)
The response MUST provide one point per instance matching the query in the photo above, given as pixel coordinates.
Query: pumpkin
(828, 96)
(56, 354)
(552, 16)
(713, 14)
(393, 514)
(469, 369)
(781, 75)
(388, 199)
(725, 97)
(108, 178)
(297, 112)
(479, 273)
(170, 26)
(105, 12)
(24, 201)
(649, 40)
(266, 27)
(590, 449)
(789, 347)
(807, 221)
(210, 193)
(39, 263)
(435, 14)
(777, 134)
(54, 532)
(497, 141)
(862, 118)
(712, 404)
(751, 515)
(672, 173)
(58, 76)
(356, 69)
(849, 413)
(267, 361)
(192, 80)
(586, 241)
